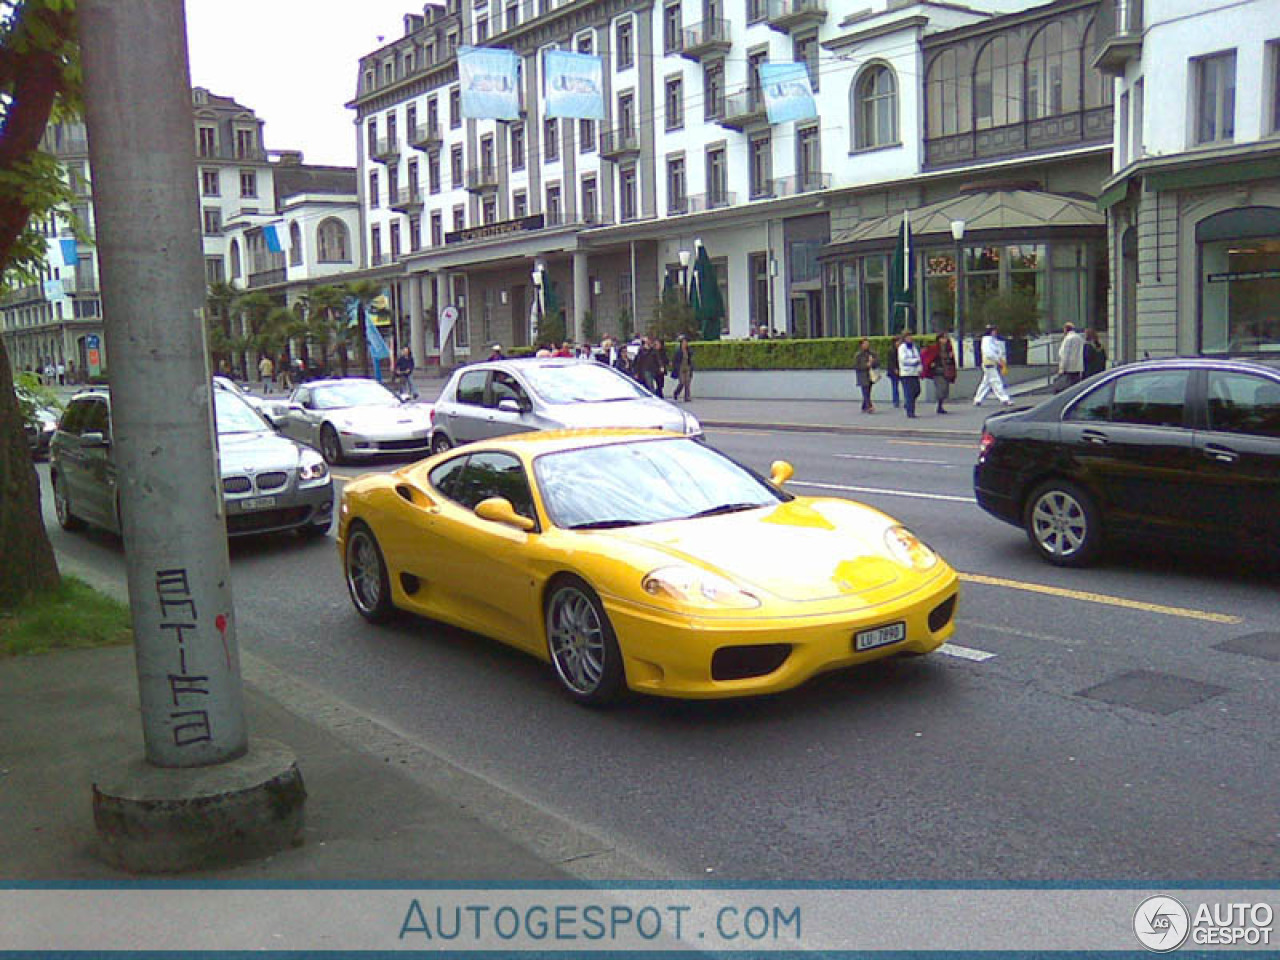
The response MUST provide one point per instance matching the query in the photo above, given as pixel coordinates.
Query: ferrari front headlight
(697, 588)
(312, 467)
(908, 549)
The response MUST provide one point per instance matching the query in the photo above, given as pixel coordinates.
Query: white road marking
(864, 456)
(879, 490)
(965, 653)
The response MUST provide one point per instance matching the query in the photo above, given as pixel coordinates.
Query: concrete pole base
(170, 819)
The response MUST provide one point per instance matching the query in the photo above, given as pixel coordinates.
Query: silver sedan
(498, 397)
(352, 417)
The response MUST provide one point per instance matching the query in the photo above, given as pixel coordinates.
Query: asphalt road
(1114, 724)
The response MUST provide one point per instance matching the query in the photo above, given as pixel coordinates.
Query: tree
(39, 79)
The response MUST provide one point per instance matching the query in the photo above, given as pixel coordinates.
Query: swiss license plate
(879, 637)
(257, 503)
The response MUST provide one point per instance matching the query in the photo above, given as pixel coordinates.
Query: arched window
(333, 244)
(875, 108)
(1099, 89)
(1053, 72)
(997, 86)
(295, 244)
(950, 95)
(235, 259)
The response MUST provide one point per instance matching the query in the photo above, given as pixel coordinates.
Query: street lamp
(539, 305)
(957, 234)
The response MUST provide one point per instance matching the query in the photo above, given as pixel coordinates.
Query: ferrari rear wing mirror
(780, 471)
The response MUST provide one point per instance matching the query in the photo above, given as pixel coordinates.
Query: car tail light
(988, 441)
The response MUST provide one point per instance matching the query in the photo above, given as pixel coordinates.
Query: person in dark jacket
(1095, 354)
(682, 368)
(863, 363)
(664, 364)
(891, 368)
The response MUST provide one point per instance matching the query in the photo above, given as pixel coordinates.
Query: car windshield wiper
(603, 524)
(725, 508)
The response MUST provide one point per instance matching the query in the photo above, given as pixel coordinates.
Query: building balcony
(791, 15)
(1119, 33)
(406, 200)
(267, 277)
(1076, 128)
(743, 109)
(482, 178)
(715, 200)
(619, 143)
(709, 38)
(386, 150)
(799, 183)
(426, 136)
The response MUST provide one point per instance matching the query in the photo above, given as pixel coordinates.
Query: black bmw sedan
(1184, 450)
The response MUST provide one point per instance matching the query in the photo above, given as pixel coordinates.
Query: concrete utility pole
(141, 148)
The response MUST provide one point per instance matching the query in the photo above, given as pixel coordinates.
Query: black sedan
(1181, 450)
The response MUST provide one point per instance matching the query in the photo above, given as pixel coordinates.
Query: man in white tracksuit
(993, 361)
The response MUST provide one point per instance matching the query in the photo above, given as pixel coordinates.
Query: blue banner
(487, 76)
(787, 93)
(378, 348)
(573, 84)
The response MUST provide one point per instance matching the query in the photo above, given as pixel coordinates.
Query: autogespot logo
(1161, 923)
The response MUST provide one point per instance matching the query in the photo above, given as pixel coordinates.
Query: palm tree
(221, 307)
(325, 305)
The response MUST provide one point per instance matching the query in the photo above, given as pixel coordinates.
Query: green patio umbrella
(704, 296)
(902, 297)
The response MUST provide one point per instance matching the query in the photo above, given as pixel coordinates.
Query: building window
(393, 233)
(488, 166)
(213, 270)
(375, 245)
(624, 49)
(517, 146)
(677, 187)
(391, 130)
(713, 91)
(997, 85)
(332, 244)
(586, 136)
(415, 234)
(371, 136)
(408, 62)
(369, 76)
(209, 183)
(674, 103)
(806, 52)
(455, 108)
(1271, 97)
(512, 16)
(590, 202)
(550, 133)
(388, 72)
(459, 217)
(413, 179)
(1053, 73)
(489, 210)
(433, 171)
(875, 116)
(248, 183)
(1240, 281)
(555, 211)
(808, 158)
(433, 114)
(761, 154)
(1139, 90)
(207, 141)
(212, 221)
(437, 229)
(295, 245)
(482, 29)
(393, 185)
(455, 165)
(717, 178)
(627, 114)
(373, 189)
(1215, 86)
(246, 144)
(627, 192)
(948, 95)
(1122, 132)
(672, 27)
(519, 204)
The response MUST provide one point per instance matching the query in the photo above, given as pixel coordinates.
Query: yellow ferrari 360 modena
(641, 560)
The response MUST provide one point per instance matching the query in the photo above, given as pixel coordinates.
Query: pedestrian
(284, 370)
(1095, 355)
(646, 364)
(71, 372)
(682, 368)
(994, 363)
(495, 352)
(267, 373)
(62, 374)
(866, 366)
(404, 374)
(50, 371)
(664, 364)
(909, 370)
(565, 350)
(891, 368)
(1070, 358)
(939, 360)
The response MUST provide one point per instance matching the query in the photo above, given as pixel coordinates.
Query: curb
(842, 428)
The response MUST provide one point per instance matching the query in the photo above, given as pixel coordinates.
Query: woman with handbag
(940, 366)
(866, 366)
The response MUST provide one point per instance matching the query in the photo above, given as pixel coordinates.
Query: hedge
(825, 353)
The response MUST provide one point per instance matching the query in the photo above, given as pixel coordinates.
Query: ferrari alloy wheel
(440, 443)
(330, 445)
(367, 579)
(1063, 524)
(62, 505)
(580, 639)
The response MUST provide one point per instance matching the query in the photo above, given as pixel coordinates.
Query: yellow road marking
(1101, 598)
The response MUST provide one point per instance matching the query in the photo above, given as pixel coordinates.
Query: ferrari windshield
(234, 415)
(353, 393)
(581, 381)
(645, 481)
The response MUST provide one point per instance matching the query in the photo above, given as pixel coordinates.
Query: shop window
(1240, 281)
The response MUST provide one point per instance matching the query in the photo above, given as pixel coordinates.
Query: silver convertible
(499, 397)
(352, 417)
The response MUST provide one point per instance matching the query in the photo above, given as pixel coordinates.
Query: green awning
(1217, 174)
(1113, 195)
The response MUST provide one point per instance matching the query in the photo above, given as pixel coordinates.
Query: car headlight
(908, 549)
(697, 588)
(312, 467)
(691, 425)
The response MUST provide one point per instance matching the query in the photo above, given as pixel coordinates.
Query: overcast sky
(293, 62)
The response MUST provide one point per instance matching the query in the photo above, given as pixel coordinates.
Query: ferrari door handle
(1221, 454)
(1095, 437)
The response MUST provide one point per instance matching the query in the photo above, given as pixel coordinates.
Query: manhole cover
(1152, 692)
(1263, 645)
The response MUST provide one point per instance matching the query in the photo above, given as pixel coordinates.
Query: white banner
(620, 920)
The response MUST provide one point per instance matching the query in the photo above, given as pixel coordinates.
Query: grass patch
(70, 617)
